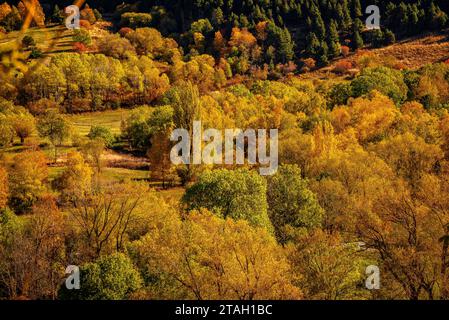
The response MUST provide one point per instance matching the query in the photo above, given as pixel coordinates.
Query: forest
(86, 179)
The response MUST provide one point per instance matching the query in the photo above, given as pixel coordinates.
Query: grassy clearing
(417, 52)
(110, 119)
(50, 40)
(172, 195)
(121, 174)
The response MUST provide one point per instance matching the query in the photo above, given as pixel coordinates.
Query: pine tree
(323, 56)
(286, 48)
(390, 14)
(319, 26)
(414, 18)
(57, 15)
(333, 40)
(357, 8)
(436, 18)
(346, 14)
(378, 38)
(339, 15)
(403, 15)
(389, 37)
(217, 17)
(309, 23)
(358, 26)
(357, 41)
(313, 44)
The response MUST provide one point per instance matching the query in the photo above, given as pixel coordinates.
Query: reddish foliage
(85, 24)
(79, 47)
(124, 31)
(41, 106)
(287, 68)
(343, 66)
(345, 51)
(309, 64)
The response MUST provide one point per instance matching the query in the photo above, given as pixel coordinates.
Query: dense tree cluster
(363, 180)
(291, 29)
(296, 28)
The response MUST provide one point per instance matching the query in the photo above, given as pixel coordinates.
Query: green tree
(385, 80)
(137, 130)
(109, 278)
(389, 37)
(280, 38)
(313, 44)
(239, 194)
(23, 124)
(28, 41)
(136, 20)
(291, 205)
(378, 38)
(103, 133)
(333, 40)
(323, 55)
(286, 48)
(57, 15)
(346, 18)
(54, 126)
(357, 41)
(318, 23)
(217, 18)
(185, 101)
(356, 8)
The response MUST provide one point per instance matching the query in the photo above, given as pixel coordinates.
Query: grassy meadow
(51, 39)
(110, 119)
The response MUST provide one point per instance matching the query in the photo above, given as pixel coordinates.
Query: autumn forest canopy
(86, 177)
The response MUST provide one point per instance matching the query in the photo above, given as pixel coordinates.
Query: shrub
(124, 31)
(136, 20)
(79, 47)
(82, 36)
(36, 53)
(309, 64)
(28, 41)
(343, 67)
(345, 50)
